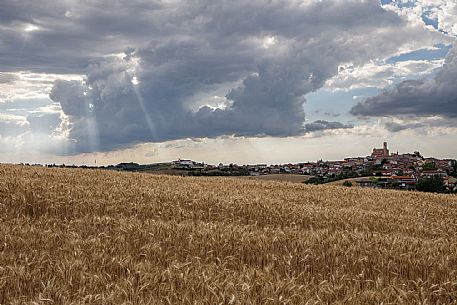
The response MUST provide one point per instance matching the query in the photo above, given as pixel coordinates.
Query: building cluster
(390, 169)
(379, 169)
(189, 164)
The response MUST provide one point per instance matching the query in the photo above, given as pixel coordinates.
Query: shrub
(433, 184)
(347, 183)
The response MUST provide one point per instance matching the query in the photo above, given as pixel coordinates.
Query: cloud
(37, 133)
(44, 122)
(396, 126)
(31, 124)
(24, 85)
(11, 125)
(149, 66)
(6, 78)
(380, 75)
(422, 125)
(321, 125)
(435, 96)
(441, 14)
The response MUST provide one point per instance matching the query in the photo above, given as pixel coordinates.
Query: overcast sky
(225, 81)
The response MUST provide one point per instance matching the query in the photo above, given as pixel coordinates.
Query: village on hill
(380, 169)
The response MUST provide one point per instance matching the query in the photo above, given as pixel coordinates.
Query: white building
(183, 163)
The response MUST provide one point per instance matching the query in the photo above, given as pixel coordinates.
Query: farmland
(279, 177)
(73, 236)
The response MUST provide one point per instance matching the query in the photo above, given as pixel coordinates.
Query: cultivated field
(280, 177)
(99, 237)
(352, 180)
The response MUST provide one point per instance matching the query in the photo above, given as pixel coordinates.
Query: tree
(434, 184)
(418, 154)
(399, 172)
(428, 166)
(454, 168)
(347, 183)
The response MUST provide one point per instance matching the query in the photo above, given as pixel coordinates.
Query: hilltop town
(380, 169)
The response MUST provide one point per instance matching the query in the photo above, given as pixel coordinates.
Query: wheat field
(70, 236)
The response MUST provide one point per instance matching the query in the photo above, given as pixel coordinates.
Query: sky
(236, 81)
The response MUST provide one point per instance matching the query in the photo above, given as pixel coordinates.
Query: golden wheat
(99, 237)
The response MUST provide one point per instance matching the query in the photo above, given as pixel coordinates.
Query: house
(275, 170)
(353, 161)
(431, 160)
(334, 171)
(199, 166)
(365, 183)
(433, 172)
(450, 183)
(407, 182)
(387, 166)
(444, 164)
(183, 164)
(408, 171)
(385, 173)
(285, 169)
(262, 166)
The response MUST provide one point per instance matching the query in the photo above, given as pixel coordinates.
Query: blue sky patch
(430, 21)
(384, 2)
(323, 104)
(422, 54)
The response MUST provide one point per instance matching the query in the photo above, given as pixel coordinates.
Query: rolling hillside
(70, 236)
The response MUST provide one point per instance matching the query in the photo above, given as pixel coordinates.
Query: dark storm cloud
(69, 34)
(424, 97)
(261, 56)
